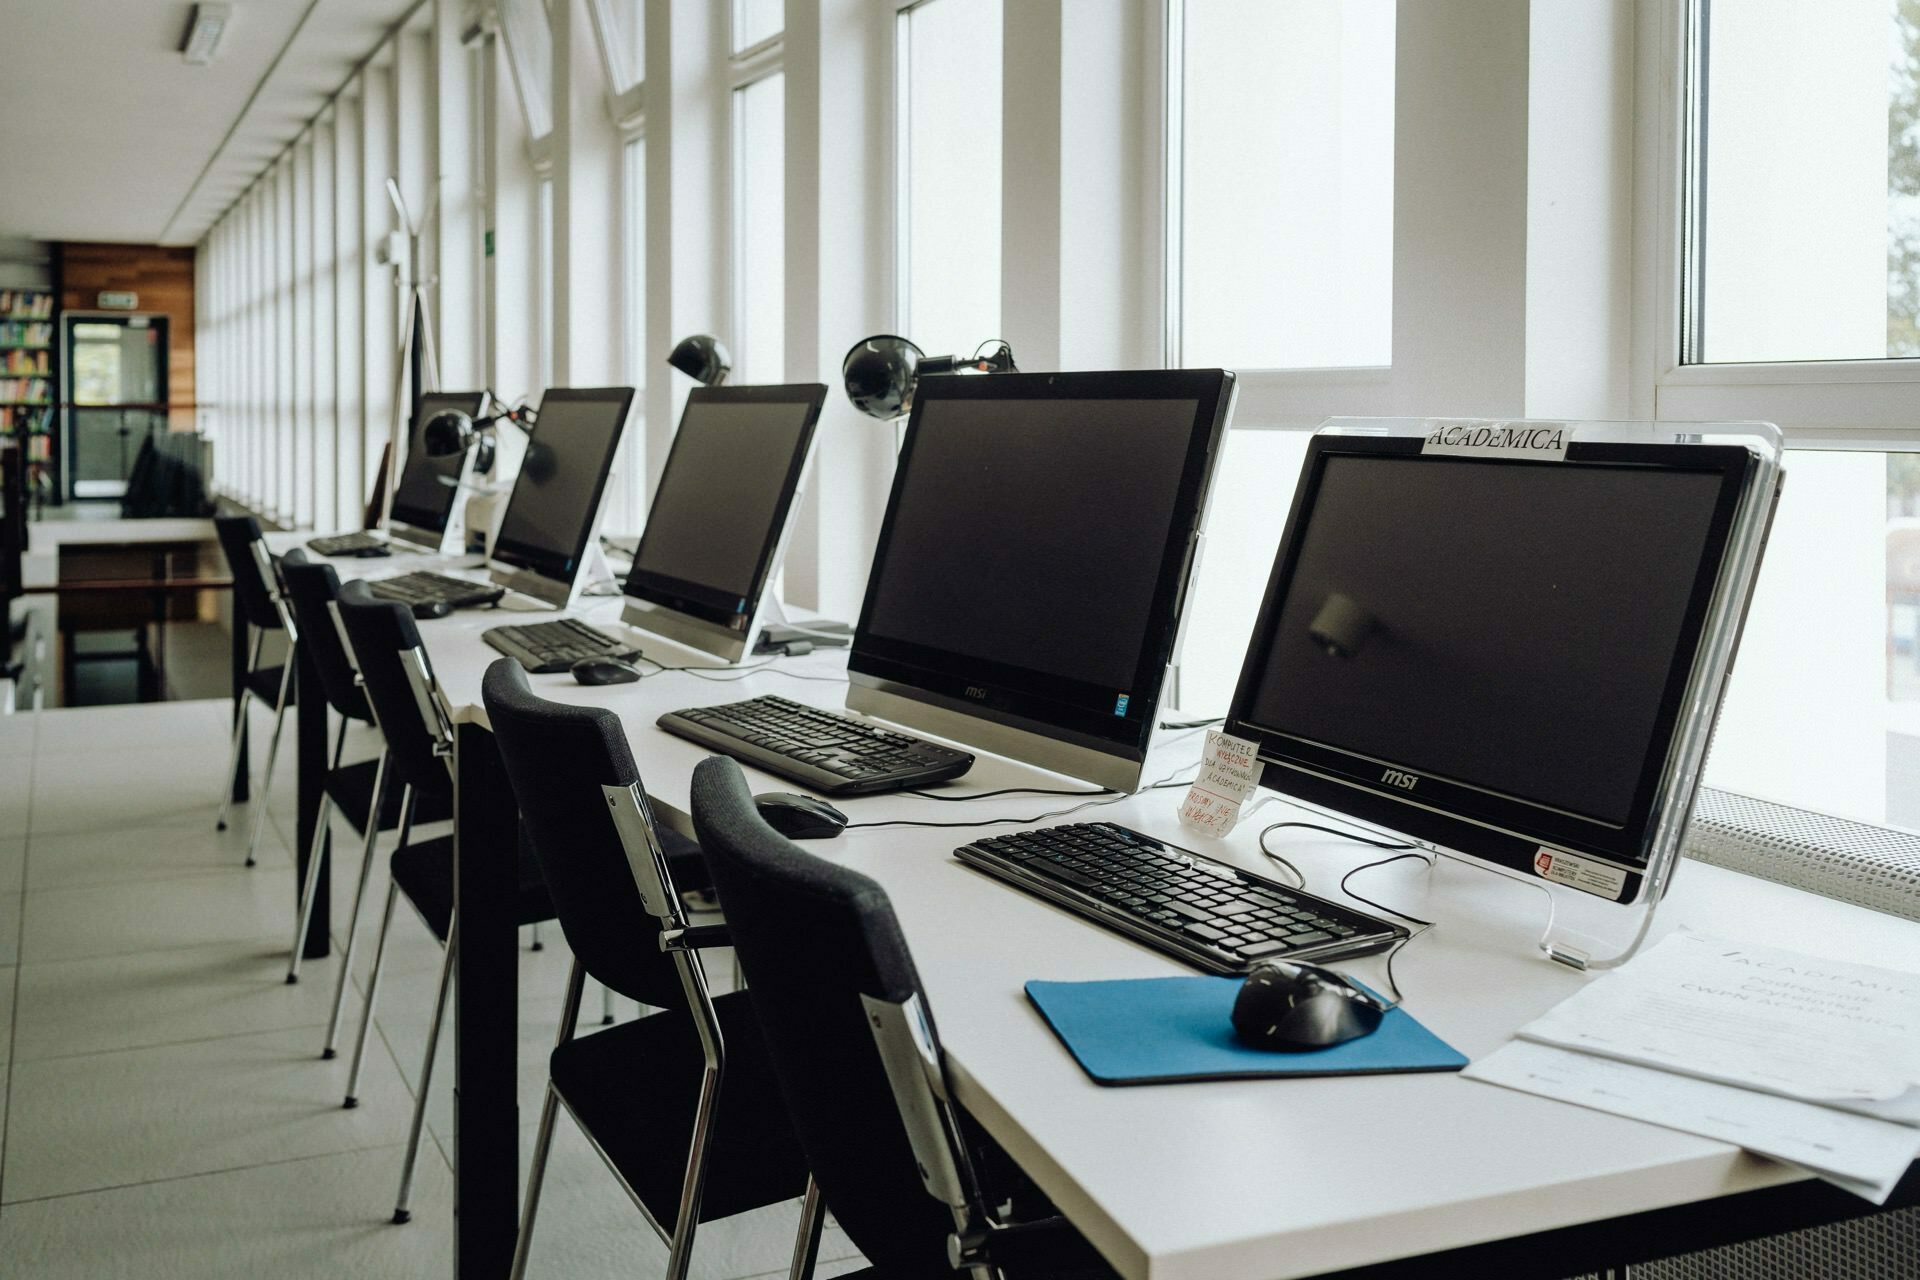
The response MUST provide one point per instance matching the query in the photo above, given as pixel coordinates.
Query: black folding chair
(257, 604)
(681, 1104)
(913, 1182)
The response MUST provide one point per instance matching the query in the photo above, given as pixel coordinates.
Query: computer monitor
(1511, 657)
(718, 522)
(1027, 586)
(423, 501)
(554, 509)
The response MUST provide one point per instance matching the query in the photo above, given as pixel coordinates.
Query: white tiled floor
(164, 1111)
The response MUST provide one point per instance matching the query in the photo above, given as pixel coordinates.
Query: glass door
(117, 379)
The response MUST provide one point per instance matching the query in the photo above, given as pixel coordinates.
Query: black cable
(729, 675)
(1010, 791)
(1425, 925)
(1022, 821)
(1193, 724)
(1368, 866)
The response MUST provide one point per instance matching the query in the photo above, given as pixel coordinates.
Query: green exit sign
(110, 301)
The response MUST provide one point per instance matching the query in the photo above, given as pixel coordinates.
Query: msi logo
(1404, 781)
(975, 692)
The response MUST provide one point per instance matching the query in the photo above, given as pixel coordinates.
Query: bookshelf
(28, 369)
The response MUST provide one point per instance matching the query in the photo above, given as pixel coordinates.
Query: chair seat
(633, 1087)
(424, 872)
(351, 789)
(265, 683)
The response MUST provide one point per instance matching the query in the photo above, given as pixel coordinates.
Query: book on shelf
(26, 304)
(22, 333)
(25, 391)
(21, 361)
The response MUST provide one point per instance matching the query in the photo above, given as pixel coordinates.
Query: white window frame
(1857, 404)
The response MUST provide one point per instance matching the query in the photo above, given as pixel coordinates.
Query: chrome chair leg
(373, 993)
(536, 944)
(239, 733)
(694, 1184)
(359, 896)
(263, 801)
(549, 1110)
(379, 958)
(402, 1210)
(806, 1243)
(606, 1006)
(311, 888)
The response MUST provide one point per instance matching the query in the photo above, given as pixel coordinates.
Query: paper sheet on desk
(1229, 770)
(1858, 1153)
(1759, 1017)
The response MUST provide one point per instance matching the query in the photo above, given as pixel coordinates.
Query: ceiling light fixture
(204, 30)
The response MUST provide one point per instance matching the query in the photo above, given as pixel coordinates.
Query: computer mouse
(432, 609)
(1296, 1008)
(601, 670)
(799, 817)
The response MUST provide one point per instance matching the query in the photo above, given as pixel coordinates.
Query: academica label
(1541, 441)
(1581, 873)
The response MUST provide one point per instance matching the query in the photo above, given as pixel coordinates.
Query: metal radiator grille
(1885, 1247)
(1857, 862)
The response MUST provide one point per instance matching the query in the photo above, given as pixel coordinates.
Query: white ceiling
(111, 135)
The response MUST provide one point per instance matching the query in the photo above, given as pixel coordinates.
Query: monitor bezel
(400, 521)
(524, 560)
(695, 601)
(1036, 702)
(1464, 818)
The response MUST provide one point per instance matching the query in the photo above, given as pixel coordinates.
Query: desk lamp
(703, 357)
(881, 372)
(452, 432)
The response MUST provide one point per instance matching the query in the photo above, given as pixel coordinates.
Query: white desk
(1260, 1178)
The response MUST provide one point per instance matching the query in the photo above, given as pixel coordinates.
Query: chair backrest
(397, 678)
(254, 590)
(311, 589)
(558, 759)
(837, 996)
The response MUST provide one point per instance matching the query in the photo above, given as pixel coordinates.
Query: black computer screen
(724, 497)
(557, 494)
(1513, 627)
(1034, 553)
(428, 486)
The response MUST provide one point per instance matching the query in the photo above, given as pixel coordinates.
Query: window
(1804, 207)
(530, 54)
(1824, 706)
(947, 140)
(543, 288)
(759, 229)
(623, 35)
(626, 508)
(1281, 219)
(757, 20)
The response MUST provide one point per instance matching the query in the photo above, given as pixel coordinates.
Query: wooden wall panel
(163, 277)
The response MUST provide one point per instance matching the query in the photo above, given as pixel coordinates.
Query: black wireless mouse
(432, 609)
(604, 671)
(799, 817)
(1296, 1008)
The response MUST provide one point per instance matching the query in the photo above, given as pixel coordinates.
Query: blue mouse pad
(1159, 1030)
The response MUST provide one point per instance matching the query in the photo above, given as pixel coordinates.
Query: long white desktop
(1275, 1178)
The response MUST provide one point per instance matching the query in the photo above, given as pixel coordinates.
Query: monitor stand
(780, 634)
(1582, 930)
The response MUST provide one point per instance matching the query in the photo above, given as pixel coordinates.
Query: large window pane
(1824, 706)
(759, 219)
(1286, 196)
(626, 507)
(1808, 199)
(948, 134)
(757, 20)
(530, 50)
(623, 22)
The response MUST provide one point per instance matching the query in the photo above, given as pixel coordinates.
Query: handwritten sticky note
(1229, 768)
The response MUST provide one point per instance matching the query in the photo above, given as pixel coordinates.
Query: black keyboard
(824, 751)
(546, 647)
(419, 587)
(1207, 913)
(350, 544)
